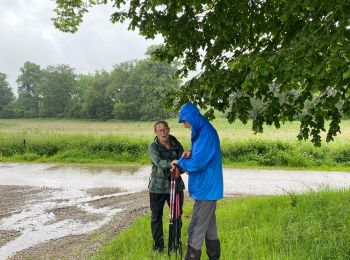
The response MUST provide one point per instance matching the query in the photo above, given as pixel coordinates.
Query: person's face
(162, 132)
(186, 124)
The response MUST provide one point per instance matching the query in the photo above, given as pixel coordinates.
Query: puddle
(69, 200)
(76, 177)
(39, 202)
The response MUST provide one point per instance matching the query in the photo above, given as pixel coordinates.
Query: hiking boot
(158, 246)
(213, 249)
(192, 254)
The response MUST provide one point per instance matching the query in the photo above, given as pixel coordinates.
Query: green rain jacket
(161, 159)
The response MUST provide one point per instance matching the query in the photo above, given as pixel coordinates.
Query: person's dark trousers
(157, 201)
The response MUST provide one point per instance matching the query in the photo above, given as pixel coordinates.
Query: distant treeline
(131, 91)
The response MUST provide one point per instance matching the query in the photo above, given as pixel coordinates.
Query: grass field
(315, 225)
(227, 132)
(127, 142)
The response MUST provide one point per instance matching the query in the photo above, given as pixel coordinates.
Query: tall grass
(285, 154)
(73, 148)
(110, 149)
(315, 225)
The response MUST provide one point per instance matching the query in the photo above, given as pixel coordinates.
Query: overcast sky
(27, 34)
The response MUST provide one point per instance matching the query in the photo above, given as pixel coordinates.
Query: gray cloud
(27, 34)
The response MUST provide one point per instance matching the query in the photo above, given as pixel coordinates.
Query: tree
(284, 53)
(140, 95)
(28, 89)
(56, 90)
(6, 96)
(98, 103)
(75, 108)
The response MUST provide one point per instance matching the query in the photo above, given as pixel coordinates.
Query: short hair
(163, 122)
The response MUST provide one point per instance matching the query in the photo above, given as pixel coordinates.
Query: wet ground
(45, 209)
(87, 237)
(67, 211)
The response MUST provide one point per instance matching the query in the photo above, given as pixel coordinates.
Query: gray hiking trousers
(203, 223)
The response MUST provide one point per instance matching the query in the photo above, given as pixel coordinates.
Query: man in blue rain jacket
(205, 182)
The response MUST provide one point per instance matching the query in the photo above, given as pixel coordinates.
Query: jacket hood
(190, 113)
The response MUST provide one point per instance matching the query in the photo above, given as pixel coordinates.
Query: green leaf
(346, 74)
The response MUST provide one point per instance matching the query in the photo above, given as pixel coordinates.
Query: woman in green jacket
(163, 150)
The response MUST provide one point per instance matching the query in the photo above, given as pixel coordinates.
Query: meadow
(315, 225)
(53, 140)
(227, 132)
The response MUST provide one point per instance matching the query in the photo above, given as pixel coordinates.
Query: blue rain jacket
(205, 180)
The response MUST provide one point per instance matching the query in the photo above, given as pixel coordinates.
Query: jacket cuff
(180, 163)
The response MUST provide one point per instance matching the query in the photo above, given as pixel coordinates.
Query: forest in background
(131, 91)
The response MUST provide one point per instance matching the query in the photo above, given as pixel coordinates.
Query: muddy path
(50, 211)
(13, 199)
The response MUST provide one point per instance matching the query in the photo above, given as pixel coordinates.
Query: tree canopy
(28, 83)
(6, 95)
(291, 56)
(56, 89)
(140, 95)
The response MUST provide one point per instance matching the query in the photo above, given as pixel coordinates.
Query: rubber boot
(158, 245)
(192, 254)
(213, 249)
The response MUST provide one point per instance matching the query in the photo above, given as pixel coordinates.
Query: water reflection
(96, 168)
(75, 176)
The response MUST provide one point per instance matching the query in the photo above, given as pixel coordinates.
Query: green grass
(285, 154)
(109, 149)
(315, 225)
(227, 132)
(72, 148)
(82, 141)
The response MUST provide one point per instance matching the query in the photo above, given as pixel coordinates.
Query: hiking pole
(171, 212)
(174, 215)
(178, 222)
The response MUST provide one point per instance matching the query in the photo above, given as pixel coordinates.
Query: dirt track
(13, 200)
(73, 216)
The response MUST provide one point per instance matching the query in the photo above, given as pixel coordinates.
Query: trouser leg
(157, 204)
(202, 219)
(176, 227)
